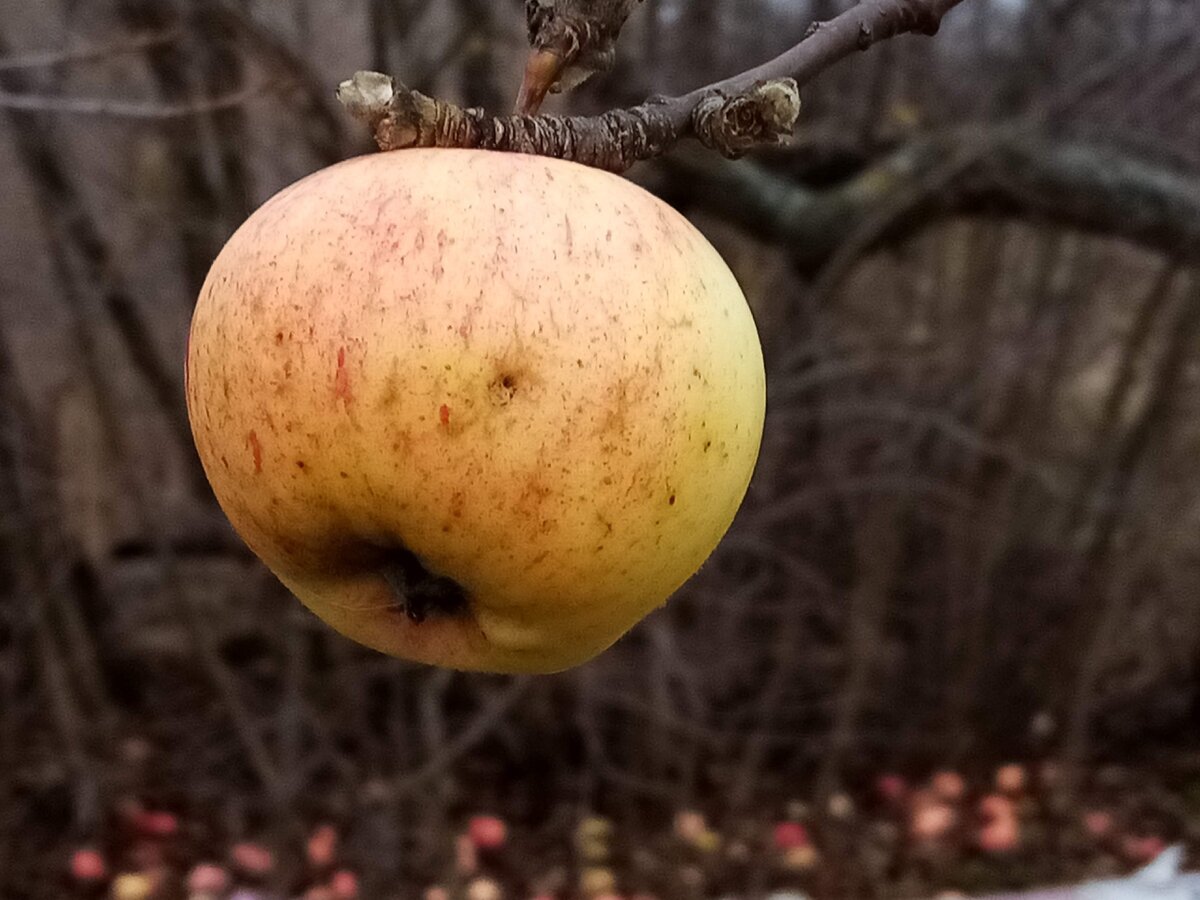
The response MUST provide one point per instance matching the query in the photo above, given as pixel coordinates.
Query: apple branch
(759, 106)
(402, 118)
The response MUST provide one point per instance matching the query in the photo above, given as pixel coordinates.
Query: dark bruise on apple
(474, 409)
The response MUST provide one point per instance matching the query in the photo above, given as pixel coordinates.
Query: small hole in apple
(503, 388)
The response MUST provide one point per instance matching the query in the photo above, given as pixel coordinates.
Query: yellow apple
(475, 409)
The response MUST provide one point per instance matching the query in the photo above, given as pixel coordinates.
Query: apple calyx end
(419, 592)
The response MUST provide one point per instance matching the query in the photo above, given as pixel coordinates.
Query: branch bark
(759, 106)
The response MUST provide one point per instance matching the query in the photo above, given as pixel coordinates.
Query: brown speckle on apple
(341, 380)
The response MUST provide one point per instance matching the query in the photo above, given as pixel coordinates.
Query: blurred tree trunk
(91, 278)
(206, 151)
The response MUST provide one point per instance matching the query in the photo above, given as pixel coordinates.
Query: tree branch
(825, 43)
(120, 109)
(759, 106)
(1096, 188)
(91, 52)
(403, 118)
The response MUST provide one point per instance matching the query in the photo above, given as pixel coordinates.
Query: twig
(445, 752)
(87, 106)
(90, 52)
(292, 71)
(402, 118)
(879, 553)
(759, 106)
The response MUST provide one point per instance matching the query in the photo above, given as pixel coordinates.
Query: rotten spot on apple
(491, 365)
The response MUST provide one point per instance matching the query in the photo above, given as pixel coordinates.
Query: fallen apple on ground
(474, 409)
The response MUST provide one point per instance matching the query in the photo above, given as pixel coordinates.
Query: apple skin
(534, 376)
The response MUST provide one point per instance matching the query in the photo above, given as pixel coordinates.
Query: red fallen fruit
(156, 823)
(930, 819)
(487, 832)
(948, 785)
(1098, 823)
(1142, 849)
(88, 866)
(344, 885)
(790, 835)
(207, 878)
(892, 788)
(322, 846)
(690, 825)
(996, 806)
(251, 858)
(1000, 835)
(1011, 779)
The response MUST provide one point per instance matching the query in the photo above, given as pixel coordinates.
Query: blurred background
(951, 641)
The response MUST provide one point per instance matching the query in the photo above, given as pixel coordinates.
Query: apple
(207, 879)
(487, 832)
(88, 866)
(321, 847)
(475, 409)
(789, 835)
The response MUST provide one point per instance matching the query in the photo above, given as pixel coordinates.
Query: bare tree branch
(449, 750)
(90, 52)
(86, 106)
(1096, 188)
(613, 141)
(756, 107)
